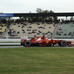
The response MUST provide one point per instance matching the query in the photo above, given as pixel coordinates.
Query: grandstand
(30, 29)
(3, 28)
(65, 30)
(26, 26)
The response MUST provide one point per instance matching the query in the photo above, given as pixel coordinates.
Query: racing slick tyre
(62, 43)
(27, 43)
(49, 45)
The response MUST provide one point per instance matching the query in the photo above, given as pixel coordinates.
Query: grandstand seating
(3, 28)
(30, 29)
(65, 30)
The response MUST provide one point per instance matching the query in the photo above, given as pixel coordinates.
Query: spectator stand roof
(42, 14)
(6, 15)
(34, 14)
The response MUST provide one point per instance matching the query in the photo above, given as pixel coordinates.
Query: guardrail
(18, 40)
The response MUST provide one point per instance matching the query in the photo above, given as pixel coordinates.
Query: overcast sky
(25, 6)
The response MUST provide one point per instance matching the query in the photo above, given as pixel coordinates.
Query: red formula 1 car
(42, 41)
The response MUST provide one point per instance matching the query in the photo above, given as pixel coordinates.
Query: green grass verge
(37, 60)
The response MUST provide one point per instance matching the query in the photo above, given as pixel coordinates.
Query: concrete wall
(18, 40)
(10, 40)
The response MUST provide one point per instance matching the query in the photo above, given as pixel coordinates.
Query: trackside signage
(6, 14)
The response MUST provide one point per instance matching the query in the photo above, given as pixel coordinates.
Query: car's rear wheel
(62, 43)
(49, 45)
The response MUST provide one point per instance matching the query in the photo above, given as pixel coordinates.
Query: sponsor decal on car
(47, 41)
(35, 38)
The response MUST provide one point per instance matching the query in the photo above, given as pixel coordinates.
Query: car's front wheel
(27, 43)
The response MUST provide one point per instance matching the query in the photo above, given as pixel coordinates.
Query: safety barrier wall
(18, 40)
(10, 40)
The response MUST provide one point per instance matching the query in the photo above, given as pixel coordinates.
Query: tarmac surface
(24, 47)
(11, 46)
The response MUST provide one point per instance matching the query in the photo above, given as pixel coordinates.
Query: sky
(26, 6)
